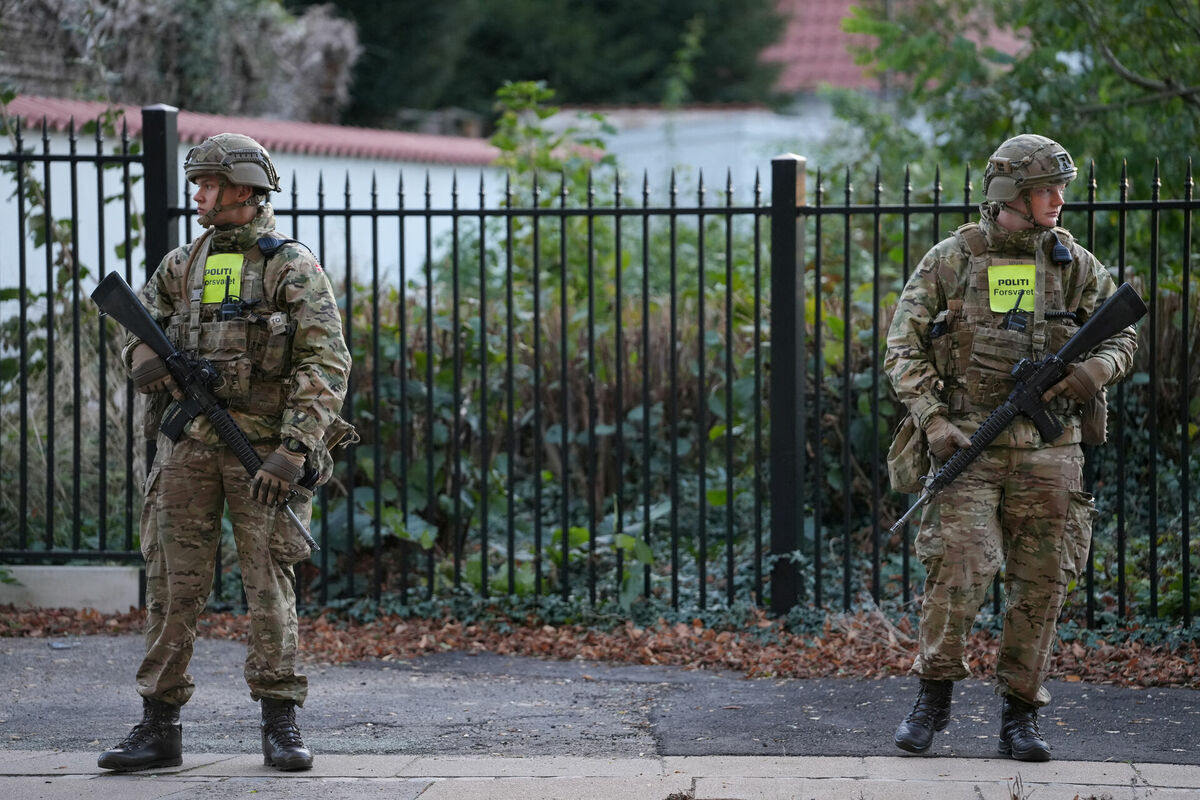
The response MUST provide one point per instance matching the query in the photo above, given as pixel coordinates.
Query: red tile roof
(813, 47)
(278, 136)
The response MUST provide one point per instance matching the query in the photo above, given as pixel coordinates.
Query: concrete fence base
(105, 588)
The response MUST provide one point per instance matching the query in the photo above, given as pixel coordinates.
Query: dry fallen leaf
(865, 645)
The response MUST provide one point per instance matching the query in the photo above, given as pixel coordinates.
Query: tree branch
(1188, 94)
(1127, 74)
(1163, 90)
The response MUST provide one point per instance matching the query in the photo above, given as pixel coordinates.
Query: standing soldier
(1011, 286)
(258, 307)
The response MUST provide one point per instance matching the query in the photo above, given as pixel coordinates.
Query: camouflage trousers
(1016, 509)
(187, 490)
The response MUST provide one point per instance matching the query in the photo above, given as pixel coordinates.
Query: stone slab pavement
(457, 725)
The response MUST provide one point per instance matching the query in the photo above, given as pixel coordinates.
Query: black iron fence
(579, 389)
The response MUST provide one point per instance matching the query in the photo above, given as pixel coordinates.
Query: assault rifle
(195, 378)
(1034, 378)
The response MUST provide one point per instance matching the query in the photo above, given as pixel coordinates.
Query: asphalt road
(78, 694)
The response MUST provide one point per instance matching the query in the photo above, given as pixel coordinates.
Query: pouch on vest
(156, 404)
(908, 457)
(1093, 425)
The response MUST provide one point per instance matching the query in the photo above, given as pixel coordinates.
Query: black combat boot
(1019, 734)
(930, 713)
(281, 743)
(156, 741)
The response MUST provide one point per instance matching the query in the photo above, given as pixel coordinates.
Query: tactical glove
(148, 371)
(275, 477)
(945, 439)
(1082, 382)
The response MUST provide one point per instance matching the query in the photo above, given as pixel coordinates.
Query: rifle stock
(1034, 378)
(1119, 311)
(114, 297)
(194, 377)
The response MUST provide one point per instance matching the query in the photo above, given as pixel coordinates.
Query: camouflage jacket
(281, 355)
(949, 352)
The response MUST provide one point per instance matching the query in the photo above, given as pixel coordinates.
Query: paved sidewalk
(35, 775)
(465, 726)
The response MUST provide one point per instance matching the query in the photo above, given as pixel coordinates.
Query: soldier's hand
(945, 439)
(149, 372)
(275, 477)
(1082, 382)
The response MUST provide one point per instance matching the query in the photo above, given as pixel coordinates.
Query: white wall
(88, 180)
(719, 143)
(649, 142)
(312, 176)
(302, 171)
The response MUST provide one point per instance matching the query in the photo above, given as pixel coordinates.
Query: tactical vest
(248, 340)
(975, 347)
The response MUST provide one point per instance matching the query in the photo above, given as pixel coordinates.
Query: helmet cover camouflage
(1023, 162)
(240, 159)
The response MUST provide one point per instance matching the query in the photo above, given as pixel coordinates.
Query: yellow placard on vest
(222, 270)
(1005, 284)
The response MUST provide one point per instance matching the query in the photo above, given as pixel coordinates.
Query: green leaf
(717, 497)
(635, 548)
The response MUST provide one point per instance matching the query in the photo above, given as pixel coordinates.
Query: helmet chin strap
(1028, 213)
(206, 219)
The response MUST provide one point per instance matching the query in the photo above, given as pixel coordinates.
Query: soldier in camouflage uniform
(991, 294)
(259, 307)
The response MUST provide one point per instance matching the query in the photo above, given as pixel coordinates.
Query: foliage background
(451, 55)
(1115, 80)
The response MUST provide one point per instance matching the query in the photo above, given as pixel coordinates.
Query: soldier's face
(1046, 204)
(209, 189)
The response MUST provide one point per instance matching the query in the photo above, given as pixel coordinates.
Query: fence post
(160, 183)
(160, 149)
(787, 407)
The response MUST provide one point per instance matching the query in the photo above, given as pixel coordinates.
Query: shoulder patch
(973, 238)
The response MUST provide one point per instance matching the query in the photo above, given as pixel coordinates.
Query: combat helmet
(1025, 161)
(237, 158)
